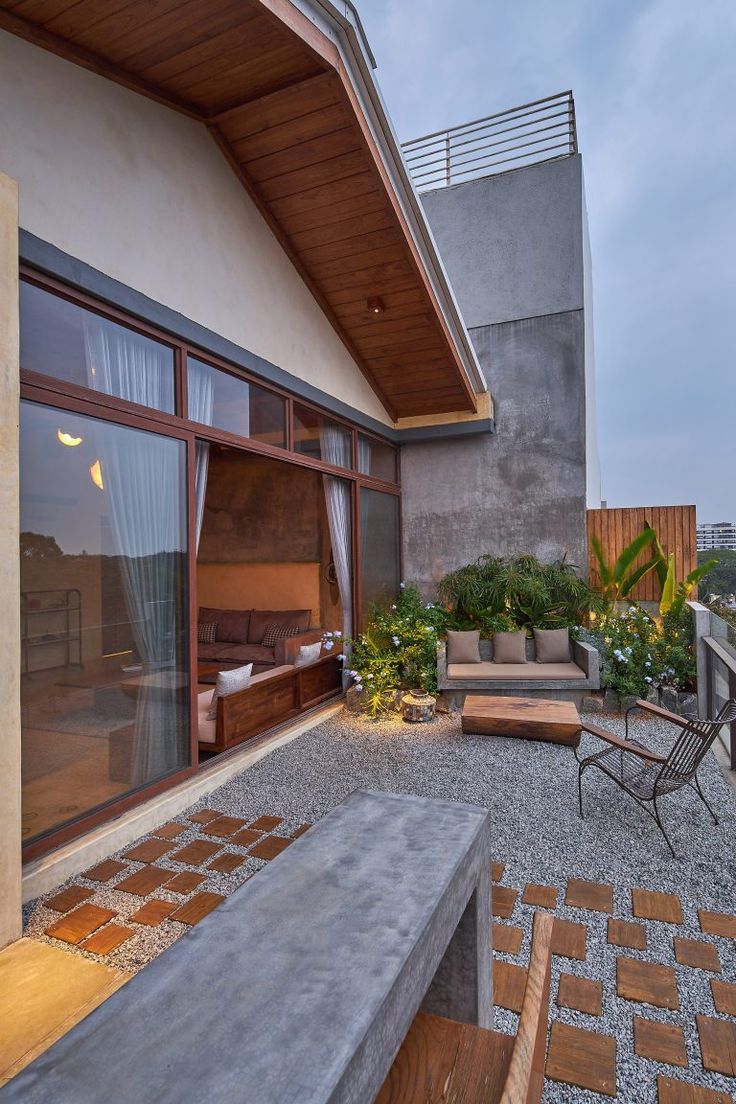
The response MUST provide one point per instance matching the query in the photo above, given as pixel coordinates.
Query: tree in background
(722, 578)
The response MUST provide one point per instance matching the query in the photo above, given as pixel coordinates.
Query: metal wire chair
(644, 774)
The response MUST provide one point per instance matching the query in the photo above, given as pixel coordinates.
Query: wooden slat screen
(617, 527)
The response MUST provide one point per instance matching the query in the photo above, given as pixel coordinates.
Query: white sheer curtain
(364, 455)
(201, 396)
(335, 444)
(142, 475)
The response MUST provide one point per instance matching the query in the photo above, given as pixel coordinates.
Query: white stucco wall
(144, 195)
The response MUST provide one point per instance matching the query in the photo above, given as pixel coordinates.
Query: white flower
(358, 689)
(337, 633)
(396, 640)
(341, 657)
(329, 633)
(393, 607)
(402, 586)
(647, 663)
(328, 644)
(369, 676)
(647, 678)
(429, 605)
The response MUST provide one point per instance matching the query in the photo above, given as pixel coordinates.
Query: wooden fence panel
(617, 527)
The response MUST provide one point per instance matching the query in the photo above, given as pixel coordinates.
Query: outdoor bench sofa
(581, 673)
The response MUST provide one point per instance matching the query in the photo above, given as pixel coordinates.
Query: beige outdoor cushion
(463, 647)
(537, 672)
(552, 645)
(509, 647)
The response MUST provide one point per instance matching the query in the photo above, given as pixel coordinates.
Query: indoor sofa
(239, 638)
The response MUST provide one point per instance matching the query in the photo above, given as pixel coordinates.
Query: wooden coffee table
(555, 722)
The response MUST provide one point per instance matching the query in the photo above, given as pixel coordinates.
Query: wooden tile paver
(503, 899)
(717, 1044)
(149, 850)
(145, 881)
(197, 908)
(582, 1058)
(717, 923)
(69, 898)
(724, 996)
(107, 939)
(540, 895)
(77, 925)
(196, 853)
(646, 983)
(569, 939)
(660, 1042)
(104, 871)
(627, 933)
(301, 830)
(204, 816)
(153, 912)
(507, 938)
(650, 904)
(224, 826)
(245, 837)
(270, 847)
(696, 953)
(509, 983)
(589, 895)
(266, 823)
(170, 831)
(497, 871)
(582, 994)
(672, 1091)
(225, 864)
(185, 882)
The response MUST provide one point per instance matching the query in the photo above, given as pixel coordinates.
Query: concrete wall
(143, 194)
(514, 249)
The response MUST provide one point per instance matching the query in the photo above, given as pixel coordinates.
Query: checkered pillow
(206, 632)
(276, 631)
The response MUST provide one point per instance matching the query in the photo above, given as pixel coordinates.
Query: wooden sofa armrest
(287, 650)
(625, 745)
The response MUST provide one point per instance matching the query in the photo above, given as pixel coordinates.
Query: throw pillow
(275, 631)
(206, 632)
(552, 645)
(509, 647)
(463, 647)
(229, 682)
(308, 653)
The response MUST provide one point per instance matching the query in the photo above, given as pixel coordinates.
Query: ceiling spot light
(67, 439)
(95, 474)
(376, 305)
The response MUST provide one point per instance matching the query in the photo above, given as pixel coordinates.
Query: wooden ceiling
(272, 90)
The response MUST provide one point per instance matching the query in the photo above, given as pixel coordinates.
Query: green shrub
(639, 651)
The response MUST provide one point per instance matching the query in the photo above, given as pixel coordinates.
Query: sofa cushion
(463, 647)
(229, 682)
(552, 645)
(297, 619)
(206, 632)
(534, 672)
(276, 631)
(235, 654)
(308, 653)
(509, 647)
(232, 625)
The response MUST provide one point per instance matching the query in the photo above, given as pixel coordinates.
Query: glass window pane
(105, 676)
(61, 339)
(379, 545)
(376, 458)
(322, 439)
(231, 403)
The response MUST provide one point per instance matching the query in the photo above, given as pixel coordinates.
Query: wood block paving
(104, 871)
(582, 1058)
(301, 830)
(225, 864)
(170, 831)
(672, 1091)
(77, 925)
(724, 996)
(185, 882)
(150, 851)
(224, 826)
(582, 994)
(569, 939)
(197, 908)
(660, 1042)
(503, 899)
(153, 912)
(650, 904)
(541, 895)
(717, 923)
(699, 955)
(507, 938)
(627, 933)
(589, 895)
(245, 837)
(509, 982)
(497, 871)
(107, 939)
(145, 881)
(69, 898)
(266, 823)
(204, 816)
(196, 853)
(646, 983)
(717, 1044)
(270, 847)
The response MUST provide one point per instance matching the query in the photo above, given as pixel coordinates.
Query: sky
(655, 93)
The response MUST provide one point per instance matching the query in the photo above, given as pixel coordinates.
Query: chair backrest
(691, 746)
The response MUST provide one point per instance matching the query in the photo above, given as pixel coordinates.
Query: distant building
(718, 534)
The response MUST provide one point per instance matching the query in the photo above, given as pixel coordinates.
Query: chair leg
(661, 827)
(703, 798)
(581, 768)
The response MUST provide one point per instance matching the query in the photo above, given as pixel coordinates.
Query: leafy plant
(619, 578)
(674, 594)
(628, 647)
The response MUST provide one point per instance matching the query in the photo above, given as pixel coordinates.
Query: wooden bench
(442, 1061)
(301, 986)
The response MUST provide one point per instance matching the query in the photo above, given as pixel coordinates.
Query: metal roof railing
(542, 130)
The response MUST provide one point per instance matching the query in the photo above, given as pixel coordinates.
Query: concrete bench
(300, 988)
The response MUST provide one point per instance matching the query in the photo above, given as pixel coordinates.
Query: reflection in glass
(321, 438)
(376, 458)
(379, 540)
(228, 402)
(104, 613)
